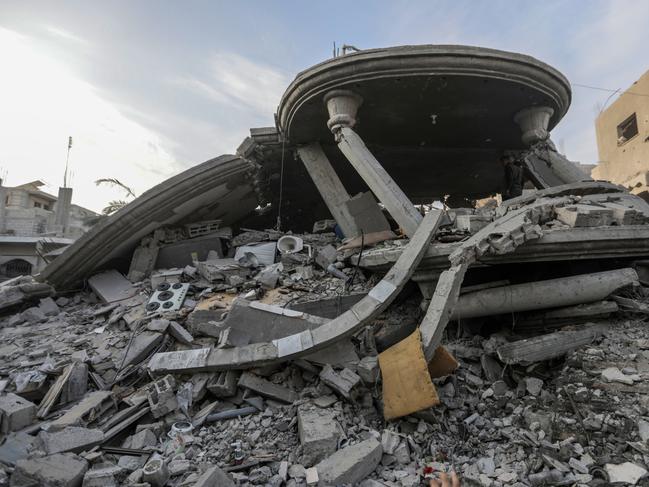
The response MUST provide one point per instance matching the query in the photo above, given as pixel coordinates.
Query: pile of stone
(84, 402)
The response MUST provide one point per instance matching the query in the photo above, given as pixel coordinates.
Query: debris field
(505, 340)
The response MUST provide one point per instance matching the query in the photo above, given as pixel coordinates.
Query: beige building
(33, 224)
(623, 139)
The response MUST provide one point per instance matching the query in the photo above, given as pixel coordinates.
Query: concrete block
(266, 388)
(162, 398)
(213, 477)
(472, 223)
(102, 477)
(141, 440)
(15, 413)
(319, 434)
(33, 315)
(368, 369)
(342, 382)
(581, 215)
(16, 447)
(325, 256)
(180, 334)
(60, 470)
(367, 214)
(351, 464)
(71, 439)
(49, 307)
(224, 384)
(111, 286)
(312, 476)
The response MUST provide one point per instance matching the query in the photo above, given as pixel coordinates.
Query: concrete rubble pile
(547, 402)
(184, 342)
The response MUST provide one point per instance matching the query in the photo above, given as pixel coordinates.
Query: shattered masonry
(382, 317)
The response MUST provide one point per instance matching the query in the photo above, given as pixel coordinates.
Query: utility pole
(67, 160)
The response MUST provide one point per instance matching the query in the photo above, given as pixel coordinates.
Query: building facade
(34, 223)
(623, 139)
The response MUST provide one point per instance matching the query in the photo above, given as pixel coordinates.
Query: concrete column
(342, 106)
(62, 212)
(329, 185)
(533, 123)
(3, 208)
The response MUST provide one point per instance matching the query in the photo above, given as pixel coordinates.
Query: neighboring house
(623, 139)
(34, 223)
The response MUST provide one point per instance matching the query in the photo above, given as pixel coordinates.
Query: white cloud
(43, 103)
(240, 83)
(65, 34)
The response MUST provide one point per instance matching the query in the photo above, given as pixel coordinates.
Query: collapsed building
(349, 301)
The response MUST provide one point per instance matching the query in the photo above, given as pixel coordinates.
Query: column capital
(342, 106)
(533, 122)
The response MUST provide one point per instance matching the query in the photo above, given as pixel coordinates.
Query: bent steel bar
(308, 341)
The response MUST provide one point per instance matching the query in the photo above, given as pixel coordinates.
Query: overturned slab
(309, 341)
(221, 188)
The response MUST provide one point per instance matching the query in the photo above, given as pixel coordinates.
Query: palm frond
(116, 182)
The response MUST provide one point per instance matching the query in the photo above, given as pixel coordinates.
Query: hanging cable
(281, 189)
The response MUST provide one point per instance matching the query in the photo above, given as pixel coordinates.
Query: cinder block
(15, 413)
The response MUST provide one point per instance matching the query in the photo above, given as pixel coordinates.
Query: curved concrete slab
(427, 95)
(221, 188)
(308, 341)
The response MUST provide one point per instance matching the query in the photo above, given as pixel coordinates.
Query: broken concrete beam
(330, 307)
(214, 476)
(567, 315)
(266, 388)
(309, 341)
(319, 433)
(546, 347)
(15, 413)
(351, 464)
(60, 470)
(71, 439)
(329, 185)
(552, 293)
(342, 382)
(379, 181)
(88, 407)
(441, 308)
(111, 286)
(224, 384)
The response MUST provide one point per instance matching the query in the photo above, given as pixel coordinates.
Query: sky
(150, 88)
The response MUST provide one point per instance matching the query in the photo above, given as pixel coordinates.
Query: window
(16, 267)
(37, 204)
(627, 130)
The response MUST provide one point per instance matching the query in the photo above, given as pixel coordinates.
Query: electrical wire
(598, 88)
(281, 187)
